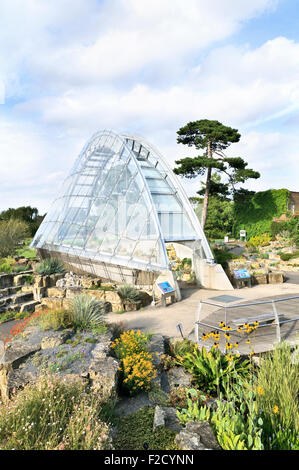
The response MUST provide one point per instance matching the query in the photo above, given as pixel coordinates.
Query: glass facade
(116, 209)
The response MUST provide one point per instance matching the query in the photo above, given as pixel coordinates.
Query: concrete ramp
(212, 276)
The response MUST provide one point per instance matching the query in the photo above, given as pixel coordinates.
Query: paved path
(164, 320)
(292, 277)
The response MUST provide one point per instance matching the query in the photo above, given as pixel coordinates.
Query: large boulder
(167, 417)
(197, 436)
(81, 355)
(178, 377)
(104, 374)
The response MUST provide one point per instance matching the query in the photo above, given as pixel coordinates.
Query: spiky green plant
(86, 311)
(50, 266)
(128, 293)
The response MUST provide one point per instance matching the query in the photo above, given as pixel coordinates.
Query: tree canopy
(213, 138)
(27, 214)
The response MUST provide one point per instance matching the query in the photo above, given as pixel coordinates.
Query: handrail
(225, 307)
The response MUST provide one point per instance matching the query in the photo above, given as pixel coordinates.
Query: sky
(69, 68)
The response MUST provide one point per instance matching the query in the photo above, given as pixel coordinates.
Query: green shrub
(128, 293)
(259, 240)
(52, 319)
(277, 388)
(50, 266)
(20, 269)
(288, 256)
(86, 311)
(212, 371)
(26, 252)
(54, 415)
(236, 421)
(12, 232)
(291, 226)
(5, 268)
(135, 430)
(222, 256)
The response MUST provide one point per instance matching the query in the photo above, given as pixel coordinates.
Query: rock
(102, 348)
(130, 405)
(56, 292)
(159, 417)
(275, 277)
(14, 354)
(55, 339)
(260, 278)
(167, 417)
(116, 308)
(178, 377)
(112, 297)
(69, 280)
(6, 280)
(145, 298)
(130, 306)
(39, 292)
(197, 436)
(30, 306)
(71, 292)
(52, 303)
(156, 347)
(99, 294)
(104, 374)
(27, 288)
(20, 279)
(187, 441)
(87, 283)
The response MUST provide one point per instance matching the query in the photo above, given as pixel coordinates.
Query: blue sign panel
(165, 287)
(241, 274)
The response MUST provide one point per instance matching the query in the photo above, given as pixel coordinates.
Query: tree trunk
(207, 191)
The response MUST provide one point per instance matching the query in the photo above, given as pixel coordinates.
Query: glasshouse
(116, 213)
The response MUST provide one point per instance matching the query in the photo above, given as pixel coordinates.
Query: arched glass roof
(119, 205)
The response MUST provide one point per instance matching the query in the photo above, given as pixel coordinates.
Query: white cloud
(75, 42)
(137, 66)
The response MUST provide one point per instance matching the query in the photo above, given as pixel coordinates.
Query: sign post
(242, 275)
(167, 291)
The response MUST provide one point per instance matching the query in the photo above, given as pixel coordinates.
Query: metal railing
(276, 319)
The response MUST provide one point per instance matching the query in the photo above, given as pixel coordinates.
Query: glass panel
(167, 203)
(150, 172)
(158, 185)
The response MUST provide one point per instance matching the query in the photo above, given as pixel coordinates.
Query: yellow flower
(248, 341)
(275, 409)
(260, 390)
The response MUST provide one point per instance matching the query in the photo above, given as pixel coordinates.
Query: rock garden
(68, 381)
(266, 259)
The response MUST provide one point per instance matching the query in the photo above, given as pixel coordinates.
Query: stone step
(29, 306)
(6, 280)
(10, 301)
(7, 291)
